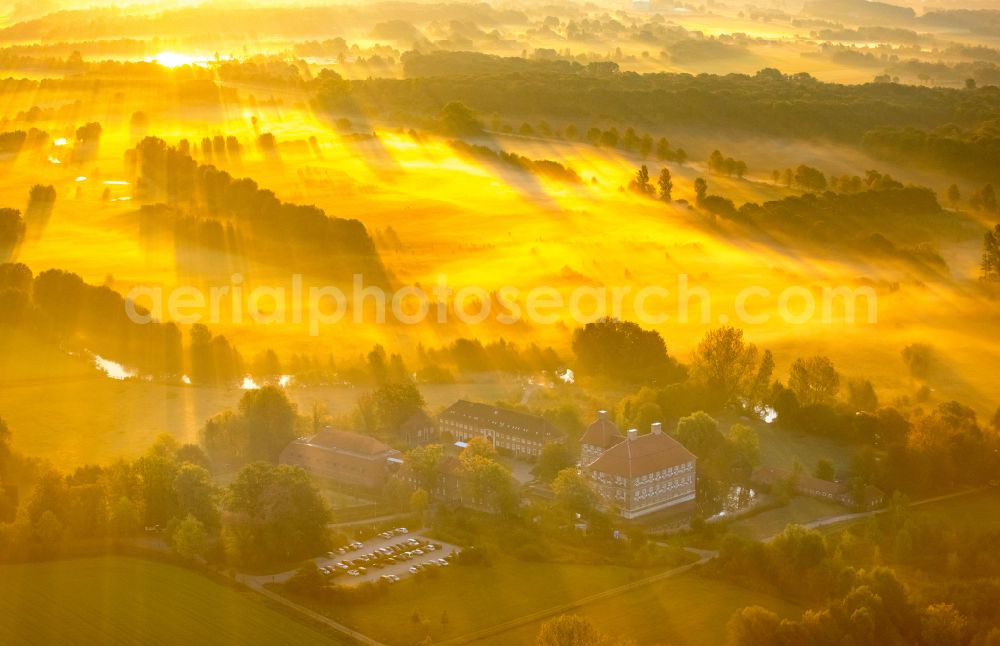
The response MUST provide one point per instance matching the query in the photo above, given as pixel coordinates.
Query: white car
(414, 569)
(442, 562)
(354, 573)
(401, 530)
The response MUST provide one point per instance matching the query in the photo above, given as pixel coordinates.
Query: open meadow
(129, 600)
(455, 602)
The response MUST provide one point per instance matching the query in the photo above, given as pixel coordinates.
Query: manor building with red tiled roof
(637, 474)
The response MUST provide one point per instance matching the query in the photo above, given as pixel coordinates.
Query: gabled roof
(347, 442)
(602, 433)
(641, 456)
(500, 419)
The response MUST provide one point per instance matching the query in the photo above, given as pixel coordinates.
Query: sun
(171, 59)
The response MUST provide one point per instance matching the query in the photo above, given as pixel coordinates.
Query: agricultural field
(128, 600)
(685, 611)
(455, 602)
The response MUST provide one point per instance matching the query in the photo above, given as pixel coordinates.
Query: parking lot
(392, 556)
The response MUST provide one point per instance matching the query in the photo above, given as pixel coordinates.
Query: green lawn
(475, 597)
(782, 448)
(479, 597)
(799, 511)
(121, 600)
(689, 610)
(980, 510)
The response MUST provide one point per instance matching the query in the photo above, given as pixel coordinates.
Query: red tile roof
(602, 433)
(645, 454)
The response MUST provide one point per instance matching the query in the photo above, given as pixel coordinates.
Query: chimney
(657, 428)
(632, 434)
(602, 414)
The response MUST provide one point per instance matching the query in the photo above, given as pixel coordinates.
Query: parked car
(414, 569)
(354, 573)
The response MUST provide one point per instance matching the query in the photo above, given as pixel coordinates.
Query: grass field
(473, 598)
(62, 408)
(120, 600)
(685, 611)
(798, 511)
(782, 448)
(981, 510)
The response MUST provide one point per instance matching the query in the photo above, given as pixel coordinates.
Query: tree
(665, 184)
(307, 580)
(700, 434)
(919, 359)
(12, 229)
(123, 517)
(662, 149)
(990, 264)
(700, 190)
(573, 492)
(746, 443)
(716, 162)
(641, 182)
(753, 626)
(48, 529)
(729, 367)
(276, 513)
(645, 146)
(424, 462)
(942, 625)
(261, 428)
(810, 178)
(985, 199)
(488, 483)
(391, 404)
(814, 380)
(861, 395)
(197, 495)
(623, 351)
(189, 538)
(553, 458)
(419, 501)
(572, 630)
(825, 470)
(478, 447)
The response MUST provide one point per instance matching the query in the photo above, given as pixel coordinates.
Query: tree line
(336, 246)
